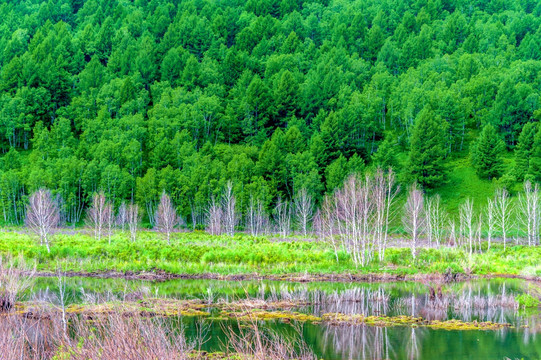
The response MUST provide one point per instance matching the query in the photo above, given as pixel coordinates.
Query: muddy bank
(159, 275)
(163, 276)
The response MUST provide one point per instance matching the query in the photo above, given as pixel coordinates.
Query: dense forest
(134, 98)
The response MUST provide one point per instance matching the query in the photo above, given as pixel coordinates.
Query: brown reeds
(115, 336)
(252, 342)
(14, 280)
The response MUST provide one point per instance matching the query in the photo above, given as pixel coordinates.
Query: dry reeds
(115, 336)
(111, 337)
(255, 344)
(118, 337)
(13, 281)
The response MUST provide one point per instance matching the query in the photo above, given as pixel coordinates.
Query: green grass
(463, 183)
(197, 253)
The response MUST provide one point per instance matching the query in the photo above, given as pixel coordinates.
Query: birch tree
(528, 205)
(133, 219)
(166, 217)
(42, 216)
(502, 208)
(256, 219)
(491, 221)
(199, 216)
(122, 216)
(354, 213)
(414, 219)
(304, 209)
(229, 210)
(214, 218)
(98, 215)
(357, 216)
(479, 231)
(326, 225)
(467, 226)
(383, 194)
(282, 217)
(109, 221)
(436, 220)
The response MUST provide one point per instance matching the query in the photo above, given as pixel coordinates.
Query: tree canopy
(133, 98)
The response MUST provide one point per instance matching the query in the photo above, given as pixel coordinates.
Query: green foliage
(534, 170)
(134, 97)
(524, 150)
(527, 301)
(198, 252)
(427, 149)
(486, 154)
(386, 154)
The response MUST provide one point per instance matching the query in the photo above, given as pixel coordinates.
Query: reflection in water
(484, 300)
(358, 342)
(413, 344)
(350, 301)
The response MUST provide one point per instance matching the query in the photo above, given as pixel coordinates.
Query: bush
(527, 301)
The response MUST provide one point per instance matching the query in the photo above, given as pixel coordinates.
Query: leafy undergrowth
(200, 253)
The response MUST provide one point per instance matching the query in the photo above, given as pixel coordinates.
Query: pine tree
(285, 95)
(332, 137)
(335, 173)
(385, 156)
(486, 153)
(534, 169)
(524, 150)
(355, 164)
(427, 149)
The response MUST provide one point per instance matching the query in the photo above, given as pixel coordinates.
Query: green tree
(486, 153)
(524, 150)
(534, 170)
(285, 95)
(272, 94)
(340, 169)
(427, 149)
(386, 154)
(335, 173)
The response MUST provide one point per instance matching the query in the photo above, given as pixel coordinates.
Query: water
(480, 300)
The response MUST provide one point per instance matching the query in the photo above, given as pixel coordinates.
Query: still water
(480, 300)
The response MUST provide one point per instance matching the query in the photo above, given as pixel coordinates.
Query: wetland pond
(477, 301)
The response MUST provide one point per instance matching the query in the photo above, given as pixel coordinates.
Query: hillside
(137, 98)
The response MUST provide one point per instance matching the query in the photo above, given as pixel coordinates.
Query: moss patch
(143, 308)
(403, 320)
(253, 315)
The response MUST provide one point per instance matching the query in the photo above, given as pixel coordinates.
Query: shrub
(527, 301)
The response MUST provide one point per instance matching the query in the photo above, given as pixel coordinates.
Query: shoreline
(160, 276)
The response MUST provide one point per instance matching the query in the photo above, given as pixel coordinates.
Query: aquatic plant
(252, 315)
(404, 320)
(527, 301)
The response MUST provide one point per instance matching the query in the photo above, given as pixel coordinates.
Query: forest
(276, 97)
(270, 179)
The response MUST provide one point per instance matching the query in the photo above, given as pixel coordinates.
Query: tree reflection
(358, 342)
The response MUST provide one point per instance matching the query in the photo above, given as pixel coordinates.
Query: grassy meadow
(200, 253)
